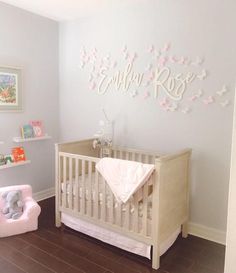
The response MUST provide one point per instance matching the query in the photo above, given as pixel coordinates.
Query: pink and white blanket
(124, 177)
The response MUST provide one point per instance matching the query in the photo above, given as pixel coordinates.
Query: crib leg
(62, 228)
(58, 219)
(155, 257)
(185, 230)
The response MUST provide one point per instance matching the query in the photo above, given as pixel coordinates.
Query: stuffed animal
(13, 208)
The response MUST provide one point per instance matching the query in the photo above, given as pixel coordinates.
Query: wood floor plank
(7, 267)
(50, 261)
(61, 240)
(65, 255)
(20, 260)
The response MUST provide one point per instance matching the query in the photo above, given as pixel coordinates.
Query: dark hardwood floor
(50, 250)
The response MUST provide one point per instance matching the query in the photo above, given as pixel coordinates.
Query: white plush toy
(13, 208)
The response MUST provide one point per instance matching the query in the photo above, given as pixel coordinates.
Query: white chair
(28, 221)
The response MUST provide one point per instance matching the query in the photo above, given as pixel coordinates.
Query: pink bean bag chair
(28, 220)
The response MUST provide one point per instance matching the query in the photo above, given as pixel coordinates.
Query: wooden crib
(82, 192)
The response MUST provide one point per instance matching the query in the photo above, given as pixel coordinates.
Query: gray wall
(31, 42)
(194, 28)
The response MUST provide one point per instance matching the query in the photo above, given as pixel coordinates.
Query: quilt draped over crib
(124, 177)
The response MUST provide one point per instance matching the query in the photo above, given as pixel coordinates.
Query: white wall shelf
(19, 139)
(10, 165)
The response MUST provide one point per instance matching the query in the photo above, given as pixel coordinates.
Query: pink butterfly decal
(114, 64)
(127, 56)
(162, 61)
(92, 86)
(124, 49)
(173, 59)
(181, 60)
(208, 100)
(164, 102)
(151, 49)
(151, 76)
(193, 98)
(166, 47)
(146, 95)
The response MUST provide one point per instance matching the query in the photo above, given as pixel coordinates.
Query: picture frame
(10, 89)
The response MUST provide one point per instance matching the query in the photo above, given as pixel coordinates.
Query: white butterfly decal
(133, 93)
(186, 110)
(197, 61)
(224, 103)
(222, 91)
(203, 75)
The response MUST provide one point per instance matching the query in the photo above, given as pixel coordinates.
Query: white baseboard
(207, 233)
(201, 231)
(38, 196)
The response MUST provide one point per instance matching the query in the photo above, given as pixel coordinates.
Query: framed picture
(10, 89)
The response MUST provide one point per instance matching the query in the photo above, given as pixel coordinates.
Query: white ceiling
(61, 10)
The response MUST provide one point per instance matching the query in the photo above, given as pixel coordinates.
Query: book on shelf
(27, 131)
(18, 154)
(37, 126)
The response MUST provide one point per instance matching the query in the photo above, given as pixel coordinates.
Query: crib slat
(115, 154)
(103, 200)
(133, 156)
(136, 210)
(140, 158)
(145, 209)
(146, 160)
(127, 155)
(118, 214)
(127, 215)
(64, 183)
(111, 202)
(96, 200)
(60, 181)
(83, 188)
(76, 204)
(89, 188)
(70, 184)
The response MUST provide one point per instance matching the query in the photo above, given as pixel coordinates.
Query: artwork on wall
(10, 89)
(175, 82)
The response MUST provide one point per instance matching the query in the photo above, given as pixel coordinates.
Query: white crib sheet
(116, 239)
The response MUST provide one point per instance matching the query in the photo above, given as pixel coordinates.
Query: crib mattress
(116, 239)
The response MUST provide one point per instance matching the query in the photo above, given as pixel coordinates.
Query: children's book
(18, 154)
(27, 131)
(37, 127)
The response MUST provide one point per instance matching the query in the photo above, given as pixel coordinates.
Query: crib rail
(133, 155)
(84, 192)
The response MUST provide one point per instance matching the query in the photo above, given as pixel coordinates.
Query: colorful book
(37, 127)
(27, 131)
(9, 159)
(18, 154)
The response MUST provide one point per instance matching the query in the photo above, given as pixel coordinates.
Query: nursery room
(117, 133)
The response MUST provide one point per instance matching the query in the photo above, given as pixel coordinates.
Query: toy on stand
(104, 137)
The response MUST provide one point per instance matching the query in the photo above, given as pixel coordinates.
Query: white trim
(207, 233)
(39, 196)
